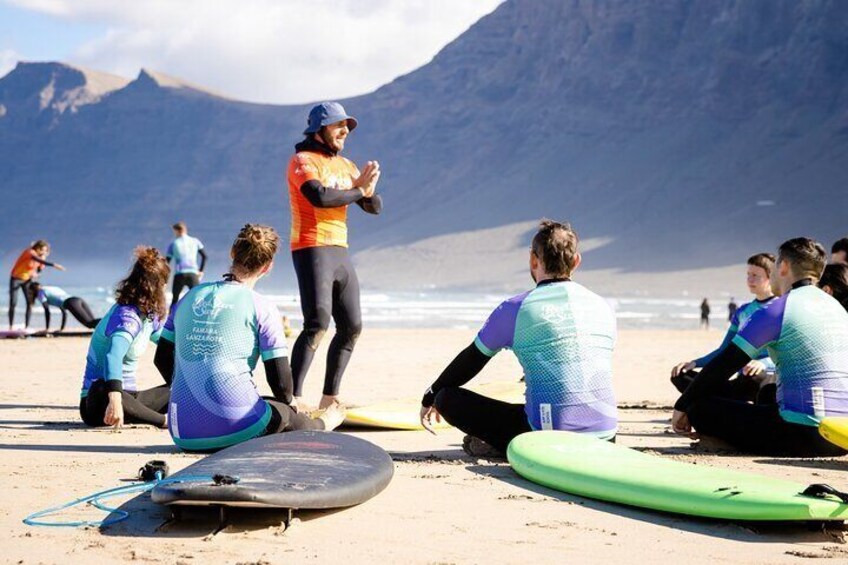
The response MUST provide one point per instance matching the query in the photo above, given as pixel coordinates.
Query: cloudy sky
(279, 51)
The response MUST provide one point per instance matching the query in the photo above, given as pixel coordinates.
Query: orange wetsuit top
(27, 265)
(324, 224)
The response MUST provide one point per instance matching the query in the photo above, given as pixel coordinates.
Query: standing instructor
(322, 184)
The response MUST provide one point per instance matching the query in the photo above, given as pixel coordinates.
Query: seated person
(109, 393)
(563, 335)
(55, 296)
(211, 342)
(806, 334)
(834, 281)
(747, 384)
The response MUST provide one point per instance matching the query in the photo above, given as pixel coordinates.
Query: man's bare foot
(332, 416)
(301, 406)
(327, 401)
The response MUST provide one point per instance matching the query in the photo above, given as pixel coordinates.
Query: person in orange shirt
(322, 184)
(26, 269)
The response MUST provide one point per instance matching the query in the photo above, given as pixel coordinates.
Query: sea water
(461, 310)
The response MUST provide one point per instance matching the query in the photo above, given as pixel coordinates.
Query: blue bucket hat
(327, 113)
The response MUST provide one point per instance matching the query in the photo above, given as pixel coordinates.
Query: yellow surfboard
(835, 430)
(404, 414)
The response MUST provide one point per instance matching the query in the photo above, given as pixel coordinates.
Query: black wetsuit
(78, 308)
(329, 288)
(187, 280)
(142, 407)
(756, 428)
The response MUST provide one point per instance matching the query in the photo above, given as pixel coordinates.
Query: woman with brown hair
(109, 393)
(211, 343)
(26, 269)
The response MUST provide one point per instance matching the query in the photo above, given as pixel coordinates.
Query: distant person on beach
(705, 314)
(26, 269)
(839, 251)
(562, 334)
(211, 343)
(806, 334)
(834, 281)
(747, 384)
(58, 298)
(732, 307)
(184, 251)
(322, 184)
(110, 395)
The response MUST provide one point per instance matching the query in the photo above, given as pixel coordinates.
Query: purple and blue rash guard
(563, 335)
(219, 331)
(53, 296)
(806, 334)
(739, 319)
(183, 250)
(123, 331)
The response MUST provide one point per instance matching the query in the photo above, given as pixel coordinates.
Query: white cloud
(8, 60)
(267, 50)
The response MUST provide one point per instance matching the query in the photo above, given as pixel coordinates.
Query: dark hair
(254, 247)
(31, 291)
(806, 257)
(144, 287)
(555, 245)
(836, 277)
(765, 261)
(840, 245)
(40, 244)
(180, 226)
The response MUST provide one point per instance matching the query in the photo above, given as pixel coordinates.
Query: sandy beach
(441, 507)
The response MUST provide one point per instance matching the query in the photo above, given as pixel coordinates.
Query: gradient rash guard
(120, 322)
(738, 320)
(183, 250)
(563, 335)
(219, 331)
(53, 296)
(313, 226)
(27, 264)
(806, 334)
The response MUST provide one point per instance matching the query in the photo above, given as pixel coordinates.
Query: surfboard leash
(152, 474)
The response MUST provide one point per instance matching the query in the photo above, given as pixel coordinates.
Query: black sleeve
(42, 261)
(278, 374)
(47, 317)
(321, 196)
(164, 359)
(462, 369)
(372, 205)
(64, 317)
(723, 366)
(202, 254)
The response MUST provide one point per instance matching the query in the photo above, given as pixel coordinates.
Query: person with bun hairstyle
(26, 269)
(109, 395)
(834, 281)
(211, 344)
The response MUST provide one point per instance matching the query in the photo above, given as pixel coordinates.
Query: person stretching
(57, 297)
(211, 343)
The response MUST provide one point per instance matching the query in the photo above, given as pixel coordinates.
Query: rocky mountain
(674, 134)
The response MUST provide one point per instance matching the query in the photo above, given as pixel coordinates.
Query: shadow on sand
(148, 519)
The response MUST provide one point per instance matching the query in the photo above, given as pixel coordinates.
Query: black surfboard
(293, 470)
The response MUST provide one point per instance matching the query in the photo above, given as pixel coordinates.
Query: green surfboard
(586, 466)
